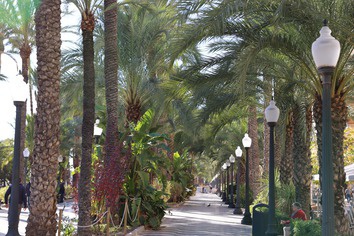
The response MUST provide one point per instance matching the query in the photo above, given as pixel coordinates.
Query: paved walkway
(68, 212)
(195, 218)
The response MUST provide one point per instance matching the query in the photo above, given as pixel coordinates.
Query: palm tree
(286, 165)
(42, 219)
(255, 174)
(302, 174)
(143, 38)
(18, 21)
(111, 78)
(87, 9)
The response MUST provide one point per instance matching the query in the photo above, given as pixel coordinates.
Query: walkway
(195, 218)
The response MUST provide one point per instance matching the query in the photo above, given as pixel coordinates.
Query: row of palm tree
(270, 40)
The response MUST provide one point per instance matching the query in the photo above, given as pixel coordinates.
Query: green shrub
(69, 191)
(176, 192)
(2, 193)
(305, 228)
(152, 208)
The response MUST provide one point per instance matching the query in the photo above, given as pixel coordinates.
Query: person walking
(348, 195)
(28, 193)
(61, 192)
(22, 198)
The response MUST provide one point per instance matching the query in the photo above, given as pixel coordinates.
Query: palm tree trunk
(265, 149)
(255, 174)
(44, 164)
(111, 78)
(339, 123)
(301, 157)
(25, 52)
(278, 148)
(88, 121)
(339, 119)
(286, 166)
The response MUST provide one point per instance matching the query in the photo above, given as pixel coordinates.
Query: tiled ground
(195, 218)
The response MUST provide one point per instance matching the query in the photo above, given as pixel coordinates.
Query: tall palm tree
(18, 25)
(87, 9)
(42, 218)
(302, 174)
(286, 165)
(255, 174)
(143, 33)
(111, 77)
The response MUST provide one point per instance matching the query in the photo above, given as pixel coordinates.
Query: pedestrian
(28, 193)
(348, 195)
(22, 198)
(61, 192)
(298, 213)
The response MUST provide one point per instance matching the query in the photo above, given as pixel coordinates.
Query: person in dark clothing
(28, 193)
(61, 192)
(22, 197)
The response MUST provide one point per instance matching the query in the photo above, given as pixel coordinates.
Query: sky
(10, 70)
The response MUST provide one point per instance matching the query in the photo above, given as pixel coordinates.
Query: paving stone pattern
(195, 218)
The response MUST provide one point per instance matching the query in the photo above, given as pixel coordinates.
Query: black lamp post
(231, 201)
(19, 102)
(224, 167)
(325, 52)
(247, 220)
(221, 183)
(26, 154)
(272, 115)
(227, 181)
(238, 210)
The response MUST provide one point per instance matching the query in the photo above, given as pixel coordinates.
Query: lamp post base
(238, 211)
(223, 198)
(247, 219)
(271, 231)
(13, 233)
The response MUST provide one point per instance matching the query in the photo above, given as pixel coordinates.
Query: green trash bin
(260, 219)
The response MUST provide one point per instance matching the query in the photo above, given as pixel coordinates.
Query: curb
(136, 231)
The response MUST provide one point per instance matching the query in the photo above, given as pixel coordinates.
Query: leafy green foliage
(284, 195)
(6, 155)
(2, 193)
(305, 228)
(148, 158)
(348, 146)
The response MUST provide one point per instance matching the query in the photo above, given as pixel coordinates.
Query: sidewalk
(195, 218)
(68, 212)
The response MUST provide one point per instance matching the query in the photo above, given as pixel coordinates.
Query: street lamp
(60, 160)
(224, 167)
(247, 220)
(325, 52)
(227, 181)
(271, 115)
(221, 182)
(238, 210)
(19, 97)
(26, 154)
(231, 202)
